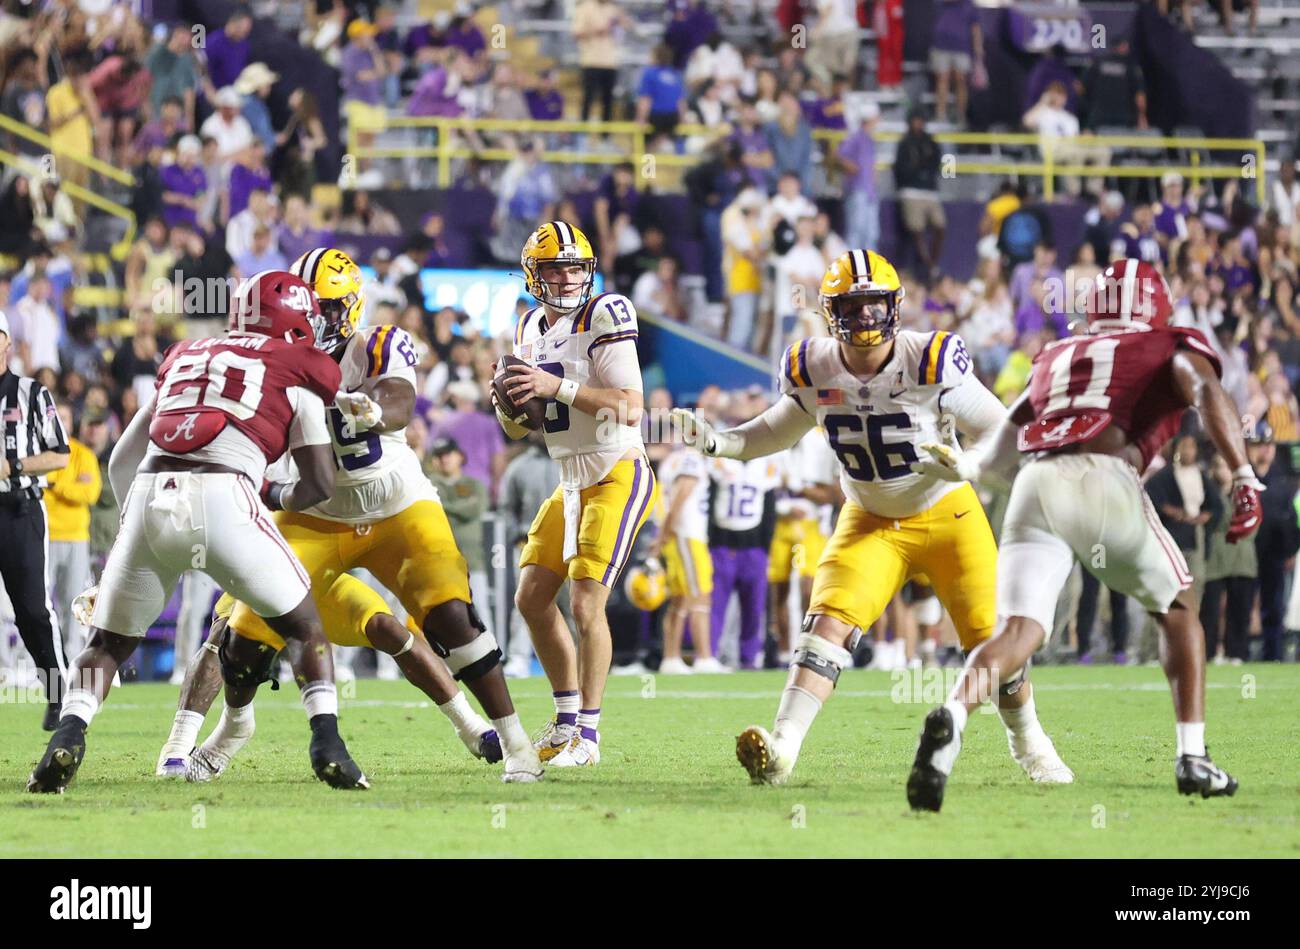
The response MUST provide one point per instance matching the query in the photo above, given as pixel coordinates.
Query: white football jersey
(812, 462)
(693, 521)
(875, 426)
(742, 488)
(378, 474)
(594, 346)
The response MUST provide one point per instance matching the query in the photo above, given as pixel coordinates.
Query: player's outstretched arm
(776, 429)
(1198, 383)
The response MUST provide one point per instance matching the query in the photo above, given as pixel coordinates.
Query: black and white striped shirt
(30, 425)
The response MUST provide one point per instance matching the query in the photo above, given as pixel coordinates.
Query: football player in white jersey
(878, 393)
(582, 359)
(683, 547)
(384, 516)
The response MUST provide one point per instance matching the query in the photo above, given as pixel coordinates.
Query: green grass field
(669, 784)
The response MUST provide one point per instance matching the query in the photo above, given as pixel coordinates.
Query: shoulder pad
(388, 350)
(943, 360)
(605, 313)
(527, 326)
(802, 363)
(1194, 340)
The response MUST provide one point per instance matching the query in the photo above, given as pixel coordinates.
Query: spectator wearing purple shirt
(227, 51)
(545, 102)
(464, 34)
(184, 185)
(362, 71)
(856, 158)
(755, 149)
(827, 112)
(431, 96)
(295, 235)
(477, 431)
(691, 25)
(247, 175)
(1032, 315)
(1051, 68)
(956, 55)
(1042, 269)
(162, 131)
(1140, 237)
(1172, 209)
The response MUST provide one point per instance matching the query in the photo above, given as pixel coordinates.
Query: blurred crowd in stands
(233, 174)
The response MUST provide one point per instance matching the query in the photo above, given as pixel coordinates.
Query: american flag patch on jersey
(526, 352)
(830, 397)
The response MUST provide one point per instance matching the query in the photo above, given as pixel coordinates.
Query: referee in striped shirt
(33, 443)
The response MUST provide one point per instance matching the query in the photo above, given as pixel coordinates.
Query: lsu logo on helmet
(562, 243)
(860, 298)
(646, 586)
(336, 278)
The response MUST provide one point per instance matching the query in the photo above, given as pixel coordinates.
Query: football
(531, 413)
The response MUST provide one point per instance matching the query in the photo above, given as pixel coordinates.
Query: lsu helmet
(1129, 292)
(860, 298)
(277, 304)
(336, 278)
(646, 586)
(556, 241)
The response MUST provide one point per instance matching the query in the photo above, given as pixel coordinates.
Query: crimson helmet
(277, 304)
(1128, 292)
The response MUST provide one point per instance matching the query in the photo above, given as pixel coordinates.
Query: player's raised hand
(360, 412)
(83, 605)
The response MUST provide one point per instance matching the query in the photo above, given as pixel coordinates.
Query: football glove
(83, 605)
(360, 412)
(699, 433)
(1246, 511)
(946, 459)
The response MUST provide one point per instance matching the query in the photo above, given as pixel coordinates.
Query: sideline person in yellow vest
(68, 499)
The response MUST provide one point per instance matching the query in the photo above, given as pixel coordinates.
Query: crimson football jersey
(1081, 384)
(241, 380)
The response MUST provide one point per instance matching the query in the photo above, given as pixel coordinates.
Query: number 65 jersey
(876, 426)
(378, 475)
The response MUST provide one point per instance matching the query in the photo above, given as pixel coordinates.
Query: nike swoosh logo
(895, 395)
(961, 515)
(559, 342)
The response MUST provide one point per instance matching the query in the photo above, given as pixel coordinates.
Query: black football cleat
(51, 721)
(330, 759)
(62, 758)
(489, 746)
(1197, 773)
(926, 782)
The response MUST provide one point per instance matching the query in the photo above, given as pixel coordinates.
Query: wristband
(275, 495)
(568, 391)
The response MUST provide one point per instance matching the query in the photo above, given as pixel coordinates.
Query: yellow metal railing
(74, 190)
(88, 161)
(447, 149)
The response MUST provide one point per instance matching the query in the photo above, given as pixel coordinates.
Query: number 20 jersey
(378, 475)
(1122, 378)
(875, 426)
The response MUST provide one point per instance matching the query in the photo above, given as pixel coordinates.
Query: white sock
(566, 703)
(588, 718)
(1191, 737)
(794, 717)
(462, 716)
(320, 698)
(80, 702)
(959, 715)
(185, 731)
(514, 740)
(235, 727)
(1021, 722)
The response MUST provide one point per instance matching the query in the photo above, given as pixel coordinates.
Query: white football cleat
(553, 739)
(519, 667)
(676, 666)
(523, 768)
(710, 666)
(760, 755)
(206, 764)
(1037, 756)
(578, 753)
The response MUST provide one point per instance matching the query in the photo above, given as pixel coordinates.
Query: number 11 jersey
(876, 425)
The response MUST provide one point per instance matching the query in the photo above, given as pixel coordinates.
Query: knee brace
(242, 674)
(475, 659)
(820, 655)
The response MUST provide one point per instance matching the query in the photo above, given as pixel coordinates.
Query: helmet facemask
(541, 289)
(863, 318)
(337, 324)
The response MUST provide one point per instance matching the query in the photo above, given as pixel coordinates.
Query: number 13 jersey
(378, 475)
(876, 425)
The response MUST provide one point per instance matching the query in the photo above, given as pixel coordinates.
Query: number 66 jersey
(875, 426)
